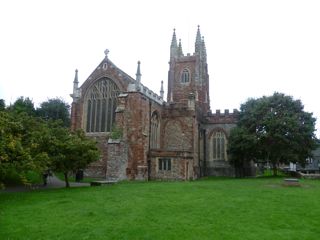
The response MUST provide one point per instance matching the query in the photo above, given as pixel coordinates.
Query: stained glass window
(100, 104)
(219, 146)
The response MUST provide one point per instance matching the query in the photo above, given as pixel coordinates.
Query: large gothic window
(185, 76)
(100, 105)
(219, 146)
(155, 131)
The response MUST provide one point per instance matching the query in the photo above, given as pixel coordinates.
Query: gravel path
(52, 182)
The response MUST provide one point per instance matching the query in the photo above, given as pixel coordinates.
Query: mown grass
(204, 209)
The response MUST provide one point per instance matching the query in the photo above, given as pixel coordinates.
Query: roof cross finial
(106, 52)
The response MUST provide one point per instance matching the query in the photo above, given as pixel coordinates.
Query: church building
(143, 136)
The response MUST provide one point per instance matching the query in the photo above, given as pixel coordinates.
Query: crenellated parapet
(139, 87)
(225, 117)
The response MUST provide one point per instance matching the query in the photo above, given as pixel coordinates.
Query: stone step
(103, 182)
(291, 182)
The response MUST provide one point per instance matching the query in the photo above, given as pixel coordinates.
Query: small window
(154, 131)
(185, 76)
(164, 164)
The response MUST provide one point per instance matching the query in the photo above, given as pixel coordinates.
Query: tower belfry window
(185, 76)
(100, 105)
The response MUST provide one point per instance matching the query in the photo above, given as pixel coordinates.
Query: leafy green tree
(276, 129)
(23, 105)
(2, 105)
(71, 151)
(35, 137)
(22, 145)
(55, 109)
(10, 146)
(242, 150)
(30, 143)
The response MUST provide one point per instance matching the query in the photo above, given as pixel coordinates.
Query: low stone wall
(220, 171)
(95, 171)
(310, 175)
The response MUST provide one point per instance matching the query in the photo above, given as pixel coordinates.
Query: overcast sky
(254, 47)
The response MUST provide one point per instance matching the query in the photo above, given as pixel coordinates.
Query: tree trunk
(239, 168)
(275, 169)
(66, 179)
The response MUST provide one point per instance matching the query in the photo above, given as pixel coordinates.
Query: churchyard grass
(204, 209)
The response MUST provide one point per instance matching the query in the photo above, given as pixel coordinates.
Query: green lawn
(205, 209)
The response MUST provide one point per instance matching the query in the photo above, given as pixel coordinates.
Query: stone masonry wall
(218, 122)
(177, 135)
(98, 168)
(179, 141)
(178, 128)
(117, 160)
(137, 128)
(133, 117)
(181, 169)
(181, 90)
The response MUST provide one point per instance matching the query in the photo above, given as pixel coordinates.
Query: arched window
(155, 131)
(219, 146)
(99, 106)
(185, 76)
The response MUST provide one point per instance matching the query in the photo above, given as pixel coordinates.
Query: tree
(10, 146)
(28, 142)
(275, 129)
(241, 149)
(22, 145)
(23, 105)
(2, 105)
(71, 151)
(55, 109)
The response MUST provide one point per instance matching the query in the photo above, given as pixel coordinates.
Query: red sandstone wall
(134, 118)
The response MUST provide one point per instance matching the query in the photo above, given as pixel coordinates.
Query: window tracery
(185, 76)
(219, 146)
(100, 105)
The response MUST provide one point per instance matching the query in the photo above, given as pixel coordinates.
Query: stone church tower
(188, 75)
(144, 137)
